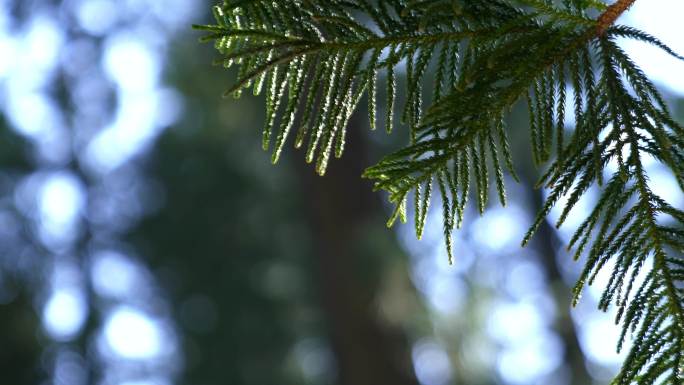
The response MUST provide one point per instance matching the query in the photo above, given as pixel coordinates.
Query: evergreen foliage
(316, 59)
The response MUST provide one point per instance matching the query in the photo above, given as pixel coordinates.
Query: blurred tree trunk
(546, 242)
(342, 208)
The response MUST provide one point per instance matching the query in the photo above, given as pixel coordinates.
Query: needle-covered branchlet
(466, 65)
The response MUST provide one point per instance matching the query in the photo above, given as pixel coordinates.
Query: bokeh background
(146, 240)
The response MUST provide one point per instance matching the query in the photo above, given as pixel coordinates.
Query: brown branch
(611, 14)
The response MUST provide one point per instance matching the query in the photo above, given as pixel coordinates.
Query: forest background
(146, 240)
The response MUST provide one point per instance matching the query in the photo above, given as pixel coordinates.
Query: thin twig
(611, 14)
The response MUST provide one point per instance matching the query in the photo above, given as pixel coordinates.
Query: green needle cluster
(466, 64)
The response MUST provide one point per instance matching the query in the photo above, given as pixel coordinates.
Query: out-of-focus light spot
(314, 358)
(446, 294)
(116, 143)
(664, 184)
(155, 381)
(524, 279)
(64, 313)
(97, 16)
(170, 107)
(90, 94)
(28, 58)
(569, 115)
(69, 369)
(25, 193)
(603, 278)
(32, 114)
(43, 42)
(133, 335)
(140, 118)
(280, 280)
(499, 228)
(35, 115)
(130, 64)
(513, 323)
(61, 198)
(525, 362)
(8, 50)
(60, 202)
(577, 215)
(183, 10)
(113, 274)
(431, 363)
(430, 256)
(658, 65)
(4, 14)
(599, 336)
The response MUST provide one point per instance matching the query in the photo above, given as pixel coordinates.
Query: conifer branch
(316, 59)
(610, 15)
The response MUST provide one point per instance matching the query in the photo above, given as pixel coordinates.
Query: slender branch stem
(611, 14)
